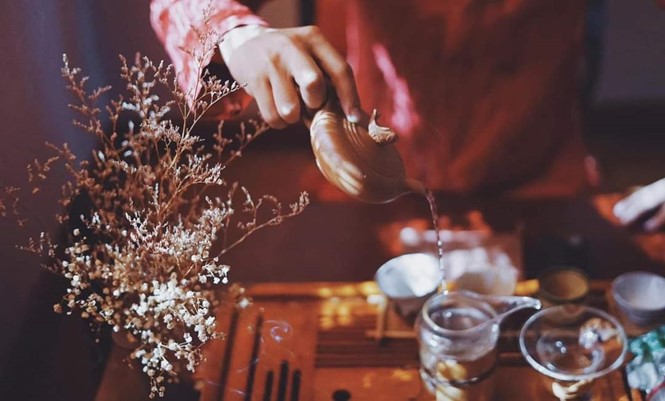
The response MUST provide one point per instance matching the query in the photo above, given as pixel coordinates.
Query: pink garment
(176, 23)
(483, 93)
(494, 87)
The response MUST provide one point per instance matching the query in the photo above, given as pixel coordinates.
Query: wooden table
(320, 339)
(343, 241)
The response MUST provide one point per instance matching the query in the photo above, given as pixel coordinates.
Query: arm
(178, 23)
(281, 68)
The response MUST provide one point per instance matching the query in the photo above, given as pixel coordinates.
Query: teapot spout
(415, 186)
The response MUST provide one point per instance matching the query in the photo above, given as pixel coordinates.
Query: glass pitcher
(457, 336)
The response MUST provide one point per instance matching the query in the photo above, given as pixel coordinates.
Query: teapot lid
(374, 146)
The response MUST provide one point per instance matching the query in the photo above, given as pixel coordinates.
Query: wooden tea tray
(318, 341)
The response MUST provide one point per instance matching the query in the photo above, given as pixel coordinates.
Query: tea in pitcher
(457, 336)
(458, 350)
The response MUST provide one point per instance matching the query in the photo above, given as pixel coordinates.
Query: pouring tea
(362, 160)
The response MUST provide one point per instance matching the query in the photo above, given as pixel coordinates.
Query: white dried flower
(145, 265)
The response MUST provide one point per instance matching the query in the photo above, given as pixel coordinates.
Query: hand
(284, 68)
(637, 204)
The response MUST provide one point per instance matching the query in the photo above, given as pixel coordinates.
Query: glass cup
(457, 336)
(571, 346)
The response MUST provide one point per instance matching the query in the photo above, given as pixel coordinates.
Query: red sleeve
(178, 24)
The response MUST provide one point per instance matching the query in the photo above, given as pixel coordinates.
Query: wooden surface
(324, 331)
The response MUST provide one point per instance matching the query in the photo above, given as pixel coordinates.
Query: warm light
(347, 290)
(526, 287)
(369, 288)
(403, 375)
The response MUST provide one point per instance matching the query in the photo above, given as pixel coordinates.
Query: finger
(640, 202)
(310, 81)
(340, 74)
(619, 207)
(262, 92)
(627, 210)
(285, 96)
(656, 221)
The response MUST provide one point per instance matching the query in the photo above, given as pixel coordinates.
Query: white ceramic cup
(409, 280)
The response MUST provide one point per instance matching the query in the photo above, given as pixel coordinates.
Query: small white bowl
(410, 279)
(640, 296)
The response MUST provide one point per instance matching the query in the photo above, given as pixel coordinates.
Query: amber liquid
(461, 378)
(435, 223)
(451, 370)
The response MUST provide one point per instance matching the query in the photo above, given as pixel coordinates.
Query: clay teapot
(359, 159)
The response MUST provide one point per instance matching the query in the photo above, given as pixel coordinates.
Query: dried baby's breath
(140, 257)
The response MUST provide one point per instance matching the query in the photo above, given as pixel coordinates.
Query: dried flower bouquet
(140, 257)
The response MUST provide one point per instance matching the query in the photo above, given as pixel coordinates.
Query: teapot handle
(330, 104)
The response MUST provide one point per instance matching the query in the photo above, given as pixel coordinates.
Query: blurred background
(625, 113)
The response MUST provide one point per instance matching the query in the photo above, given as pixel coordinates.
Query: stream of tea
(448, 376)
(435, 222)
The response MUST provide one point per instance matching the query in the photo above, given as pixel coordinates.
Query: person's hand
(286, 68)
(642, 201)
